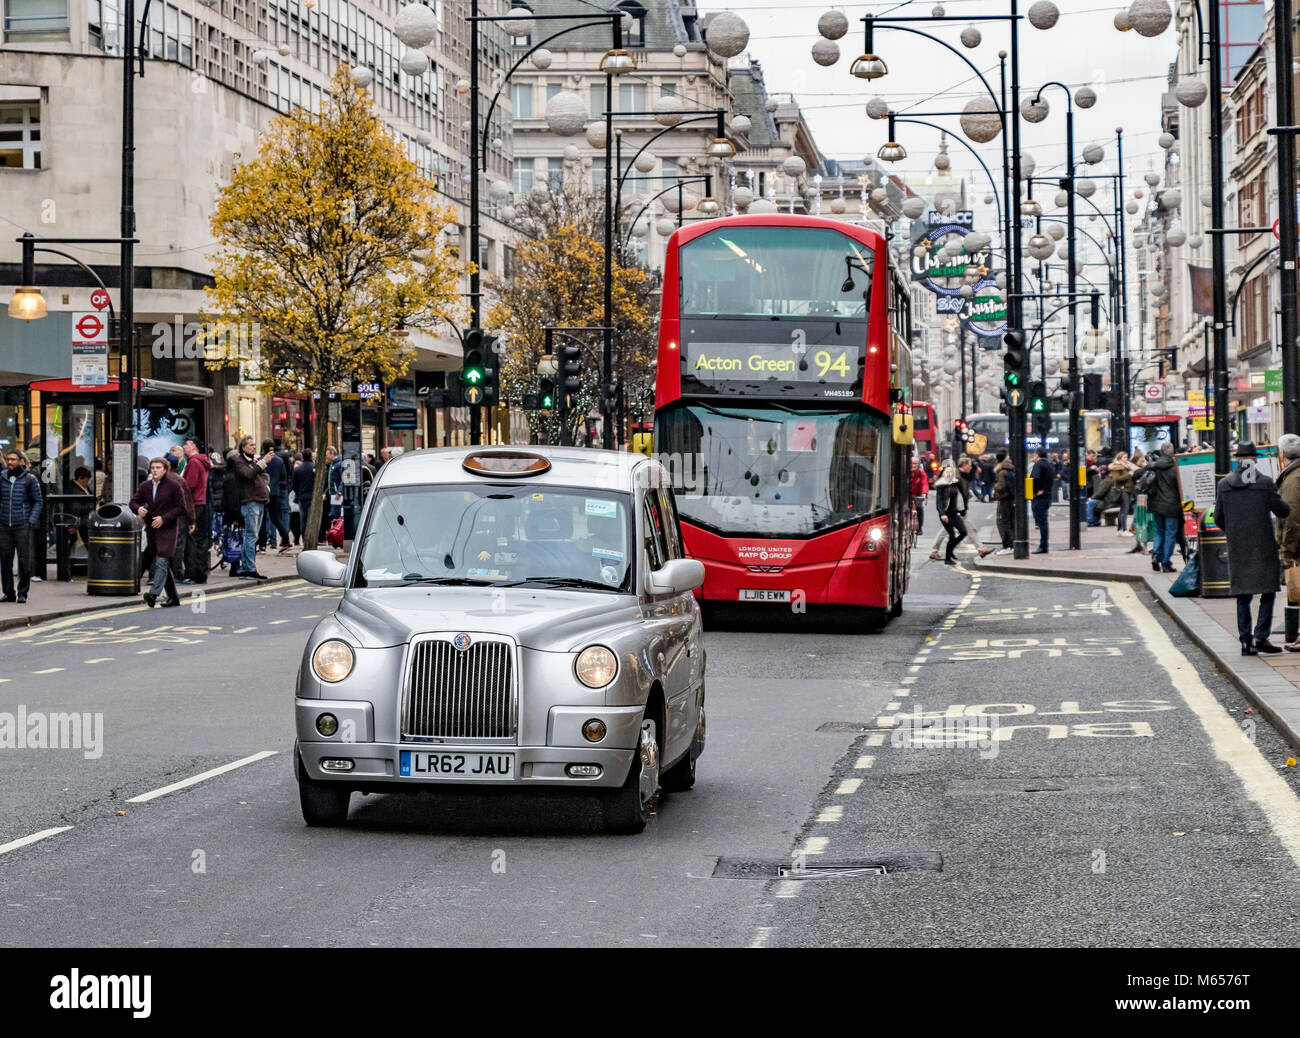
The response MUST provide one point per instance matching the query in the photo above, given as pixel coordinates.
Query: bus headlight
(596, 666)
(875, 535)
(333, 660)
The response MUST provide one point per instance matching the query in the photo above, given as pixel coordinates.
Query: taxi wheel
(627, 809)
(323, 803)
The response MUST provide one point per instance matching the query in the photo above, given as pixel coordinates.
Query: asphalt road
(1073, 774)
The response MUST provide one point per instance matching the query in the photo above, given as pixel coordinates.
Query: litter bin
(113, 551)
(1214, 562)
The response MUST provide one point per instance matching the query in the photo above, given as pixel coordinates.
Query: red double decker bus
(783, 359)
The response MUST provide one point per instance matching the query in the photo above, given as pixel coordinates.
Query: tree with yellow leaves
(558, 279)
(331, 248)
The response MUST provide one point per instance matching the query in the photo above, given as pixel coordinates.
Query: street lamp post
(1286, 212)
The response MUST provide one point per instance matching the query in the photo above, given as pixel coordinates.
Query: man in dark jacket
(254, 493)
(1106, 495)
(1043, 476)
(160, 502)
(1165, 503)
(304, 482)
(277, 482)
(1241, 510)
(20, 511)
(196, 475)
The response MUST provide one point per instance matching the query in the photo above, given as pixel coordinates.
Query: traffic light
(961, 434)
(491, 368)
(1041, 425)
(1013, 361)
(546, 394)
(609, 398)
(471, 370)
(570, 358)
(1061, 401)
(1037, 394)
(1091, 391)
(1002, 400)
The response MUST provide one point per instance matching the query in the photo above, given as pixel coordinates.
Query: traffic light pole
(1015, 309)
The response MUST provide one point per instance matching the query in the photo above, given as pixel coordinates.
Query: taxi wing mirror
(675, 577)
(321, 567)
(903, 429)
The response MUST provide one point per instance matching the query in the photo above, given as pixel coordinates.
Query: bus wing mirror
(903, 431)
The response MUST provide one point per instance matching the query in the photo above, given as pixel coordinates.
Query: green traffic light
(1038, 404)
(548, 402)
(1013, 378)
(473, 376)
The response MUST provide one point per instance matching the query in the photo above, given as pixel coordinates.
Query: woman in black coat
(948, 500)
(1243, 506)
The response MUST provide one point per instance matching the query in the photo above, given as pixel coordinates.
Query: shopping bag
(1188, 583)
(334, 535)
(1293, 584)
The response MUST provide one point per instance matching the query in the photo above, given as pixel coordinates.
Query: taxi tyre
(323, 803)
(626, 810)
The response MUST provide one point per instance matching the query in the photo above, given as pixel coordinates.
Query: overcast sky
(1127, 71)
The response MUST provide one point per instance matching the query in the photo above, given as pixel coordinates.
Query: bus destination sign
(796, 367)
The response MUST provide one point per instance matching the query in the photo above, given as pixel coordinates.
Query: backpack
(231, 497)
(1145, 482)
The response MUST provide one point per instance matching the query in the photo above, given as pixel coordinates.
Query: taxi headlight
(596, 666)
(332, 660)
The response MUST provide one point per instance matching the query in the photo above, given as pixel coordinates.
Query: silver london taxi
(511, 617)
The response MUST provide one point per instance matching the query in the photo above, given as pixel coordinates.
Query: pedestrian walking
(1042, 476)
(920, 492)
(1159, 480)
(966, 473)
(986, 477)
(197, 474)
(1242, 506)
(947, 499)
(304, 482)
(185, 528)
(20, 511)
(160, 502)
(1288, 530)
(250, 476)
(1004, 489)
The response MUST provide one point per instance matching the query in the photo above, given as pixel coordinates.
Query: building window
(36, 20)
(634, 37)
(631, 97)
(598, 176)
(523, 100)
(598, 101)
(555, 174)
(20, 134)
(523, 176)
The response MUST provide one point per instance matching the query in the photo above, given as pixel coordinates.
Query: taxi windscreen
(498, 536)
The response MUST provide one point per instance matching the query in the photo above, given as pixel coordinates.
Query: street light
(28, 304)
(869, 65)
(891, 150)
(617, 61)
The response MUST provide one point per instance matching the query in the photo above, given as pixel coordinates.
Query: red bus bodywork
(864, 564)
(923, 415)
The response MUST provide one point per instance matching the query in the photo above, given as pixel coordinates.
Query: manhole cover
(1080, 784)
(862, 727)
(878, 865)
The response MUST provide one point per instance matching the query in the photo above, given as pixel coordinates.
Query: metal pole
(1286, 215)
(974, 374)
(607, 360)
(1121, 322)
(1218, 259)
(961, 349)
(126, 321)
(1072, 283)
(475, 413)
(1016, 415)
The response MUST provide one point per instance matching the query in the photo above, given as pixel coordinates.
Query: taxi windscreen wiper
(415, 578)
(573, 582)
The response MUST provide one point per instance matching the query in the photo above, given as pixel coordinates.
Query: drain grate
(879, 865)
(1081, 784)
(861, 727)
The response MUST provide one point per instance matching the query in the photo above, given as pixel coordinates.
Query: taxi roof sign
(505, 463)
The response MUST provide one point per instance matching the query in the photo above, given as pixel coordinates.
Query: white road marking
(194, 780)
(907, 681)
(884, 721)
(787, 888)
(891, 706)
(48, 670)
(101, 659)
(25, 841)
(913, 670)
(865, 762)
(243, 630)
(816, 844)
(902, 692)
(848, 787)
(145, 652)
(1258, 778)
(761, 936)
(274, 622)
(876, 739)
(834, 813)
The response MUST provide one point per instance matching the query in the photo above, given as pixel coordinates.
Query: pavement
(1272, 683)
(51, 599)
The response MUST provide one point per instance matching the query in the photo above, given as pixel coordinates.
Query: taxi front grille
(455, 694)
